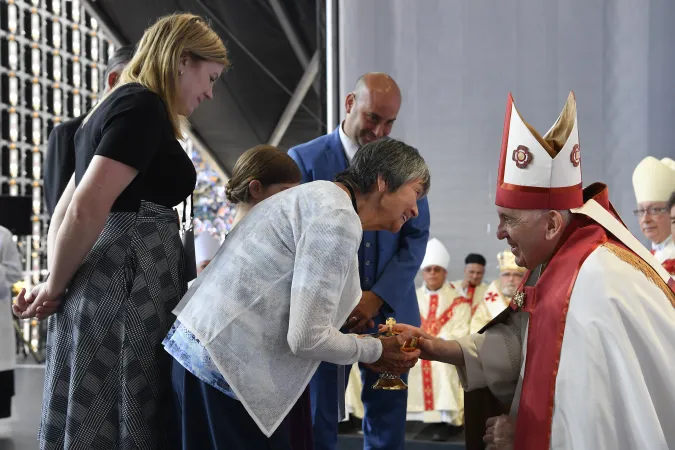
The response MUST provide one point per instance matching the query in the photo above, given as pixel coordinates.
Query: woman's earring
(180, 72)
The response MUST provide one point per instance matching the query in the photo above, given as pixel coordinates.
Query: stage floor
(418, 437)
(29, 381)
(29, 384)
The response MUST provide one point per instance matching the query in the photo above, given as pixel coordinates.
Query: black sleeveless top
(132, 126)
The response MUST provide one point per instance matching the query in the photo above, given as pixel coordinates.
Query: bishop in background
(500, 292)
(435, 395)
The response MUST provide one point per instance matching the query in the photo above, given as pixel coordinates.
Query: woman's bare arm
(57, 219)
(85, 217)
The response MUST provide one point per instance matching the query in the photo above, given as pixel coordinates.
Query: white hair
(565, 213)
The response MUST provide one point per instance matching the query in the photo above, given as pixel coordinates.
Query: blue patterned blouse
(191, 354)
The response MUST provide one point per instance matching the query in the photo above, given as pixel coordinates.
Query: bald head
(372, 108)
(377, 81)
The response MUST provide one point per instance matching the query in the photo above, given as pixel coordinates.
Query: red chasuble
(548, 302)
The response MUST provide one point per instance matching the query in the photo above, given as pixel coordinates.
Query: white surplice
(434, 391)
(491, 306)
(476, 296)
(10, 273)
(615, 388)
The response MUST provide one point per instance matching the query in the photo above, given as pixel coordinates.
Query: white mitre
(654, 180)
(436, 255)
(540, 172)
(206, 247)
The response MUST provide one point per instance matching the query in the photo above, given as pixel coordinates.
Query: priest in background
(435, 395)
(654, 182)
(671, 208)
(500, 291)
(472, 286)
(10, 273)
(477, 401)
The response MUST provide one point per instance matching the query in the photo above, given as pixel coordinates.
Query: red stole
(669, 265)
(548, 303)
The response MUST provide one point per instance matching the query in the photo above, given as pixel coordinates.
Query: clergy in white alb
(499, 292)
(434, 392)
(472, 286)
(654, 183)
(585, 354)
(10, 273)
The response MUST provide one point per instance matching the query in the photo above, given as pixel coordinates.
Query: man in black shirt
(59, 163)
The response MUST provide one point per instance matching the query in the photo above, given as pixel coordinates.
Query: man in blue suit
(387, 263)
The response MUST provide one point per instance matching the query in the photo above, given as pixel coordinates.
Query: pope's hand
(500, 433)
(427, 344)
(393, 359)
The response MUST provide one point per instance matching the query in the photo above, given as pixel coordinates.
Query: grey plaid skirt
(107, 379)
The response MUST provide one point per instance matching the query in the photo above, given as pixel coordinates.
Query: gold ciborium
(389, 381)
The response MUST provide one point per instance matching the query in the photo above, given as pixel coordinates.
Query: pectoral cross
(519, 299)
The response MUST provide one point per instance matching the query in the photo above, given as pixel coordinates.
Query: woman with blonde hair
(115, 255)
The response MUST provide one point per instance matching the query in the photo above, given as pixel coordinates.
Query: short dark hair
(121, 56)
(474, 258)
(394, 161)
(671, 202)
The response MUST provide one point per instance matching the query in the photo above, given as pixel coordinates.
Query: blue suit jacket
(388, 262)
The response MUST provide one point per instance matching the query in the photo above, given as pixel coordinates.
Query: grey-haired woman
(269, 307)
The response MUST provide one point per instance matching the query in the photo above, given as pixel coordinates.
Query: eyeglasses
(652, 211)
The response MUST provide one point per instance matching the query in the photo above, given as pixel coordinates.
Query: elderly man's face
(510, 280)
(529, 234)
(434, 277)
(672, 222)
(654, 220)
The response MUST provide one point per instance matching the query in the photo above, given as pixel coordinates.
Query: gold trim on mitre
(561, 130)
(507, 262)
(654, 180)
(555, 139)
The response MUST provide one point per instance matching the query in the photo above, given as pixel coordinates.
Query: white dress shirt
(350, 146)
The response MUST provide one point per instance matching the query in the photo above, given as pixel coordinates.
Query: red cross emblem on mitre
(540, 172)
